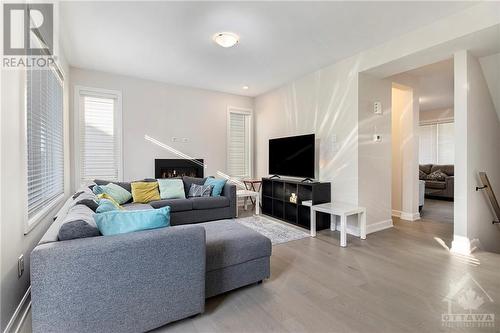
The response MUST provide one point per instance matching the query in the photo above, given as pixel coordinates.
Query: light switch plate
(377, 108)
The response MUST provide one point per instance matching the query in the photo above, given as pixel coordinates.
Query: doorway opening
(423, 143)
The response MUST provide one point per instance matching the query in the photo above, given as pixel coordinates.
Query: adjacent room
(259, 166)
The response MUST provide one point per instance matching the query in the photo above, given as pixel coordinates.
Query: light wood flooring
(437, 210)
(394, 281)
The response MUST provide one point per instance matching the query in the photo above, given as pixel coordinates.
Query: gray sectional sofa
(139, 281)
(191, 210)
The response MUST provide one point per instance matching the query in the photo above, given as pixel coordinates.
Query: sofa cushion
(124, 185)
(200, 191)
(434, 184)
(425, 168)
(144, 192)
(448, 169)
(176, 205)
(123, 222)
(210, 202)
(230, 243)
(218, 185)
(437, 175)
(188, 181)
(78, 223)
(136, 206)
(422, 175)
(171, 188)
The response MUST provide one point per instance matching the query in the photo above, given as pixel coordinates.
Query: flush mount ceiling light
(226, 39)
(245, 87)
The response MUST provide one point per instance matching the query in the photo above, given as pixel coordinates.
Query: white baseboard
(462, 245)
(19, 315)
(396, 213)
(370, 228)
(409, 216)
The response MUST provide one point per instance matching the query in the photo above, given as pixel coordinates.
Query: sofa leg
(259, 282)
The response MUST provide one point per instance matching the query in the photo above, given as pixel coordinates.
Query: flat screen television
(292, 156)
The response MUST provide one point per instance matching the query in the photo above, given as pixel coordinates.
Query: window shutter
(45, 140)
(446, 143)
(238, 145)
(100, 149)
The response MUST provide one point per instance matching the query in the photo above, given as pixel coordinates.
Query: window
(99, 146)
(437, 144)
(45, 139)
(239, 156)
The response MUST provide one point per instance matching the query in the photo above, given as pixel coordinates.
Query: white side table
(338, 209)
(248, 194)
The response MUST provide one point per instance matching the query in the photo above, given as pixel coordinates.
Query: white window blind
(45, 140)
(239, 144)
(437, 144)
(100, 138)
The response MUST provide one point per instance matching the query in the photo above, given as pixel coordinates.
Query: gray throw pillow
(77, 229)
(92, 204)
(200, 190)
(188, 181)
(437, 175)
(78, 223)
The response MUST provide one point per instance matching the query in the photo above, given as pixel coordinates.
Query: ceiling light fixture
(245, 87)
(226, 39)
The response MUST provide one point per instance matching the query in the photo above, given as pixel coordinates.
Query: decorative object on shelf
(293, 198)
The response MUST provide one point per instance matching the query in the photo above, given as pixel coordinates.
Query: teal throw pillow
(123, 221)
(118, 193)
(106, 205)
(171, 189)
(218, 185)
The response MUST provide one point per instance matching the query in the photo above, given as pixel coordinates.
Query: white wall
(374, 158)
(163, 111)
(13, 190)
(483, 147)
(405, 119)
(436, 116)
(491, 72)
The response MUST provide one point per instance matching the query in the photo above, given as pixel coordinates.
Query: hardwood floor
(394, 281)
(437, 210)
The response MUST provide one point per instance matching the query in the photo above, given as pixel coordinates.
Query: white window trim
(247, 112)
(96, 92)
(31, 222)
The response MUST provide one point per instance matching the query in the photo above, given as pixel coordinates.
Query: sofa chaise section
(125, 283)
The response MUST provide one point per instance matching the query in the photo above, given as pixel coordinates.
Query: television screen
(292, 156)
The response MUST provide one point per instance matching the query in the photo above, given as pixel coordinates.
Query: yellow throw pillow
(144, 192)
(110, 198)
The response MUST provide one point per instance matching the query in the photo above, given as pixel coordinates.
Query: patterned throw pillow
(200, 190)
(437, 175)
(422, 175)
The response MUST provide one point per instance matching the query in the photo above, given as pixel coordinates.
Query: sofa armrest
(229, 191)
(126, 283)
(450, 186)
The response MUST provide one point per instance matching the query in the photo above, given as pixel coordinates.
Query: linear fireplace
(178, 167)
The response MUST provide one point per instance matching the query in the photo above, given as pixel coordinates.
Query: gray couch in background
(139, 281)
(440, 189)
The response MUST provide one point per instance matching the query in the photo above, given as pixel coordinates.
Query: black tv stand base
(307, 180)
(274, 176)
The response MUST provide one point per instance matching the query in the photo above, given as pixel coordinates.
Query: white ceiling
(171, 41)
(435, 85)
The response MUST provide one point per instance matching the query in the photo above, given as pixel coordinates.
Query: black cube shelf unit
(276, 201)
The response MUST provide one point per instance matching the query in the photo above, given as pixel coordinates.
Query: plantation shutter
(45, 140)
(446, 143)
(239, 145)
(428, 146)
(100, 146)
